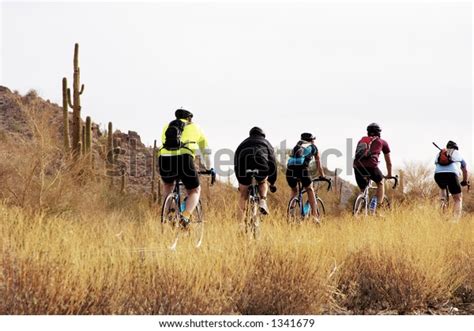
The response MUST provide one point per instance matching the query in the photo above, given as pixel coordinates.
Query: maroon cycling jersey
(378, 146)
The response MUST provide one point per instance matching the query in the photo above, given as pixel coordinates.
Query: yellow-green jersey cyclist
(181, 140)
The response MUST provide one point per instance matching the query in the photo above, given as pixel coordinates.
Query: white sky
(325, 68)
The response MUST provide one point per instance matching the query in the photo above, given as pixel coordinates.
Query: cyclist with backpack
(255, 153)
(449, 166)
(366, 162)
(181, 140)
(298, 169)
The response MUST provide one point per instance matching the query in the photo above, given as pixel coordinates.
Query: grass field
(408, 262)
(72, 243)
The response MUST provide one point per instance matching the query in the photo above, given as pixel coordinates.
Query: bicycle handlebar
(395, 179)
(324, 179)
(209, 172)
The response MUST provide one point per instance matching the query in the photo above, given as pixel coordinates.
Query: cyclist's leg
(244, 182)
(168, 171)
(262, 192)
(308, 185)
(190, 178)
(263, 188)
(377, 176)
(455, 189)
(442, 184)
(292, 182)
(360, 179)
(243, 198)
(457, 198)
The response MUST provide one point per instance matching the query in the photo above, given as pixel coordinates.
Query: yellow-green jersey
(192, 138)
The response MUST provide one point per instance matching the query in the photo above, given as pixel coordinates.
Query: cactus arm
(69, 98)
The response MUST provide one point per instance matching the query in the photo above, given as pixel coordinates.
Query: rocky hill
(136, 157)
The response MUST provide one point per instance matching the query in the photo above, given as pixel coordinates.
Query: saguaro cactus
(83, 140)
(65, 117)
(75, 103)
(88, 134)
(153, 174)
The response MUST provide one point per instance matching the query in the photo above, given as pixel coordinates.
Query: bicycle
(252, 210)
(361, 203)
(298, 211)
(173, 206)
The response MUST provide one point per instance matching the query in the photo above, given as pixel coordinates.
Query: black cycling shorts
(448, 180)
(298, 173)
(181, 167)
(374, 174)
(246, 179)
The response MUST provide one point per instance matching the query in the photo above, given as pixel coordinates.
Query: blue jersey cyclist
(298, 168)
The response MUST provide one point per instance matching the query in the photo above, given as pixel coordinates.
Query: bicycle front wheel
(320, 208)
(359, 206)
(196, 227)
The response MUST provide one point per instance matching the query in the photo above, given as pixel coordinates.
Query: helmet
(182, 113)
(256, 131)
(452, 145)
(306, 136)
(374, 129)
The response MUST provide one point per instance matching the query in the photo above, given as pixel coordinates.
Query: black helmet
(374, 129)
(306, 136)
(182, 114)
(256, 131)
(452, 145)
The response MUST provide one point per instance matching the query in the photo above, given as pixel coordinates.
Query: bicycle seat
(252, 172)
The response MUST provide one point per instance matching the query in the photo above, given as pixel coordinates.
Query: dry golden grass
(71, 244)
(410, 261)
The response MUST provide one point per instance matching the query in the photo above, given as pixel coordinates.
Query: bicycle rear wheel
(359, 206)
(294, 211)
(252, 219)
(169, 212)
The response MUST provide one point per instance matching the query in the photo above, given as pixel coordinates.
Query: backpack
(364, 145)
(300, 156)
(445, 157)
(173, 135)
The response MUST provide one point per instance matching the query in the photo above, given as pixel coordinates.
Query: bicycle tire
(196, 228)
(359, 205)
(169, 212)
(293, 211)
(252, 219)
(320, 209)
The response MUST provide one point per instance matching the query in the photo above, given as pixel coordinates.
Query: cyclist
(449, 166)
(181, 140)
(255, 153)
(366, 161)
(298, 169)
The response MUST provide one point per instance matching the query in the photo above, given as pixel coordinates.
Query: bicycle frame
(366, 194)
(302, 191)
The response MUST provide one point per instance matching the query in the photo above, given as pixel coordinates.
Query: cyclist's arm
(464, 171)
(388, 162)
(319, 167)
(272, 165)
(204, 149)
